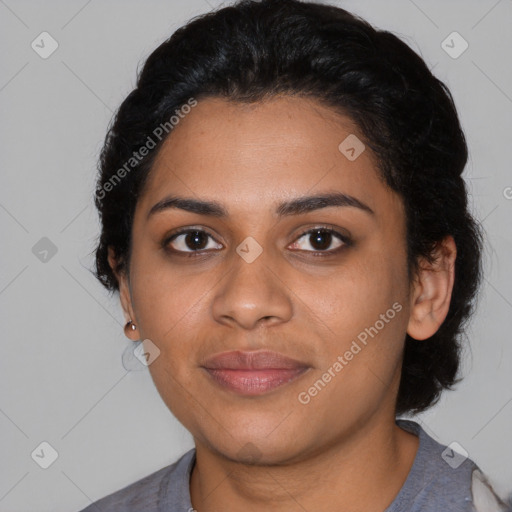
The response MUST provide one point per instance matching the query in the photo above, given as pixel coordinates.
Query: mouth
(253, 373)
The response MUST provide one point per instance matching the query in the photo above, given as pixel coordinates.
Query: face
(324, 284)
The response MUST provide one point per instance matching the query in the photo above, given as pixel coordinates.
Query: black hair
(255, 50)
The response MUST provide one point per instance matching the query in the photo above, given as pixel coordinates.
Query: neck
(363, 471)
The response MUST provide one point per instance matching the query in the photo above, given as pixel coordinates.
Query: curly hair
(254, 50)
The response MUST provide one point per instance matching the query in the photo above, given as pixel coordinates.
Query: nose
(252, 294)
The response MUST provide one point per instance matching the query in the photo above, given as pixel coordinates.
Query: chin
(256, 451)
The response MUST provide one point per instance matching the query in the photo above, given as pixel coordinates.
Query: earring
(131, 325)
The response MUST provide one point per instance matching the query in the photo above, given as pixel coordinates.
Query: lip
(253, 373)
(255, 360)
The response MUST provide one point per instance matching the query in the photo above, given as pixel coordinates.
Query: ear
(124, 295)
(432, 291)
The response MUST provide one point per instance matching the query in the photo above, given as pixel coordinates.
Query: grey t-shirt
(439, 480)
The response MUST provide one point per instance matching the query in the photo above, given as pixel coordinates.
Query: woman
(284, 218)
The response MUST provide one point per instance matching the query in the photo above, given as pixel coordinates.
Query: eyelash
(347, 242)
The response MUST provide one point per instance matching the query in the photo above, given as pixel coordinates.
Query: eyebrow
(296, 206)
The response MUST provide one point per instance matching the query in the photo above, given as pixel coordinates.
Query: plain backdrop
(63, 380)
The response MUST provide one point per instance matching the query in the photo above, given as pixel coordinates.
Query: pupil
(317, 239)
(194, 239)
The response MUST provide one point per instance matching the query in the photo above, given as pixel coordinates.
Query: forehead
(252, 155)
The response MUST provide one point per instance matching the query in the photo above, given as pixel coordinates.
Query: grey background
(63, 380)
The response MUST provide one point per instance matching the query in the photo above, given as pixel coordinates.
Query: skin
(342, 450)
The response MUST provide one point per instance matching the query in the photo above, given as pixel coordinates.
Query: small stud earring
(132, 326)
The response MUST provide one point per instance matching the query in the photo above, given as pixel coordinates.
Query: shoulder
(444, 478)
(151, 493)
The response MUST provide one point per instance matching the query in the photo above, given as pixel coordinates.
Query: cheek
(361, 362)
(166, 306)
(364, 315)
(353, 298)
(165, 296)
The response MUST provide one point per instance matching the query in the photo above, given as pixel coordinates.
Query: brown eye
(321, 240)
(190, 240)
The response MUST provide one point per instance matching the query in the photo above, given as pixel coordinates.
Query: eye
(195, 240)
(321, 239)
